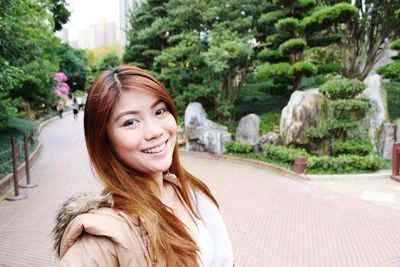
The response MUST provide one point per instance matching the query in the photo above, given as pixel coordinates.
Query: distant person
(60, 108)
(79, 102)
(75, 108)
(152, 212)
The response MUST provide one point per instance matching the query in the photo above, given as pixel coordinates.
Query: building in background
(125, 7)
(63, 35)
(102, 33)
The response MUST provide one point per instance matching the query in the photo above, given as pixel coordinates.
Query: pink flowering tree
(61, 89)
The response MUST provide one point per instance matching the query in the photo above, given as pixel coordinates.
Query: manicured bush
(352, 146)
(294, 45)
(270, 55)
(303, 68)
(287, 24)
(272, 17)
(343, 164)
(272, 70)
(236, 147)
(327, 15)
(341, 88)
(282, 154)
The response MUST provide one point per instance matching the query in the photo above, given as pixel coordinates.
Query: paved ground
(273, 220)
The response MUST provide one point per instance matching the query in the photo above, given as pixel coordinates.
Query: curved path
(273, 220)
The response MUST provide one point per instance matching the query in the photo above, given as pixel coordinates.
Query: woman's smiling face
(142, 131)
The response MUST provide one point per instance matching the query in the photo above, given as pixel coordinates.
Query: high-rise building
(110, 33)
(63, 34)
(125, 8)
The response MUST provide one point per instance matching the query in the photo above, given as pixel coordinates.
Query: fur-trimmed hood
(75, 206)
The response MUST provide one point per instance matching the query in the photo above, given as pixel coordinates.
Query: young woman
(152, 211)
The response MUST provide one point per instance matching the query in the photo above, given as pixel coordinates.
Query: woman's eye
(160, 111)
(130, 122)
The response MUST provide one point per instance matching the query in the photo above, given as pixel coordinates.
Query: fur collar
(75, 206)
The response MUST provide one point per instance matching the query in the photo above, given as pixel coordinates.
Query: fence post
(300, 164)
(396, 162)
(27, 164)
(17, 195)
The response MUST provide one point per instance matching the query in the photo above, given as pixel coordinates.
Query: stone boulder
(373, 122)
(305, 109)
(203, 134)
(386, 140)
(181, 139)
(247, 131)
(270, 138)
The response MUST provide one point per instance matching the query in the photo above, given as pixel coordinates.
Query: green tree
(392, 70)
(60, 13)
(344, 112)
(365, 37)
(209, 52)
(147, 34)
(291, 32)
(109, 61)
(28, 50)
(74, 63)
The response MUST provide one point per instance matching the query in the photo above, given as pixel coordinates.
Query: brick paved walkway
(273, 220)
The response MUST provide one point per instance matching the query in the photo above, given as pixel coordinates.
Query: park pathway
(272, 219)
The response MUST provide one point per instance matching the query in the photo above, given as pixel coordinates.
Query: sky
(87, 12)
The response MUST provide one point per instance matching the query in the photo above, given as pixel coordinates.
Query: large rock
(305, 109)
(386, 140)
(247, 131)
(397, 122)
(377, 115)
(203, 134)
(270, 138)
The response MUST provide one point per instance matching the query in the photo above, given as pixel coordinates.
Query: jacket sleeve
(90, 251)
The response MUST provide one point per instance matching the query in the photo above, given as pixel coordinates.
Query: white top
(206, 245)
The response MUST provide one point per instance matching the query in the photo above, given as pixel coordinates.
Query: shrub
(352, 146)
(343, 164)
(395, 45)
(338, 88)
(355, 107)
(303, 68)
(236, 147)
(270, 55)
(269, 122)
(288, 24)
(390, 71)
(338, 13)
(282, 154)
(271, 17)
(293, 46)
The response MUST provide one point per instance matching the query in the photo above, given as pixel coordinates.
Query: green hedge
(343, 164)
(236, 147)
(282, 154)
(352, 146)
(285, 157)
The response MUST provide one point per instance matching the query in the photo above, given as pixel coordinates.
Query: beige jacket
(89, 232)
(99, 236)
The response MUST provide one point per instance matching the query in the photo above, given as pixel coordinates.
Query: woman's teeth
(155, 149)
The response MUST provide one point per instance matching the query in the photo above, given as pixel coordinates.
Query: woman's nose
(152, 129)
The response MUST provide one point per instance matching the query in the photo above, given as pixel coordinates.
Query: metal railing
(18, 152)
(396, 162)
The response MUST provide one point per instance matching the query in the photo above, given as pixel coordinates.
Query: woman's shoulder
(91, 221)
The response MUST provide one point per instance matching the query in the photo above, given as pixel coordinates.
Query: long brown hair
(169, 239)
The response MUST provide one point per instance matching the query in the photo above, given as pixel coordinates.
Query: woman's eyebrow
(134, 112)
